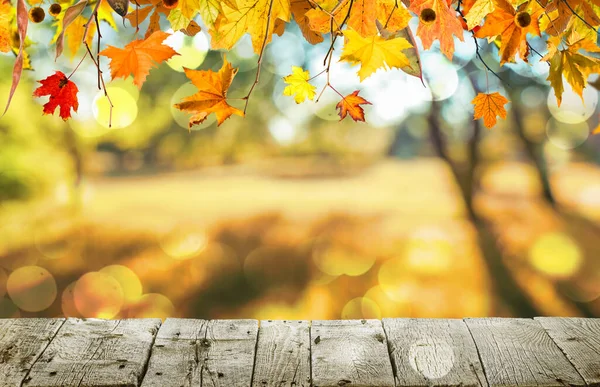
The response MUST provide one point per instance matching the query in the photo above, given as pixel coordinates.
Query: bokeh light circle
(567, 136)
(184, 242)
(440, 76)
(129, 281)
(555, 254)
(67, 302)
(573, 108)
(336, 259)
(152, 305)
(124, 111)
(360, 308)
(98, 295)
(31, 288)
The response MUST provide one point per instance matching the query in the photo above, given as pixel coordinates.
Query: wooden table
(352, 353)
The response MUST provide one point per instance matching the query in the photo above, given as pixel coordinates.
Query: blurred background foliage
(289, 213)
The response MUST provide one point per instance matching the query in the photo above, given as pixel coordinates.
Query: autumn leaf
(350, 104)
(138, 57)
(22, 23)
(153, 8)
(512, 26)
(489, 106)
(414, 66)
(479, 10)
(362, 17)
(298, 85)
(437, 21)
(374, 52)
(571, 64)
(299, 9)
(565, 12)
(211, 96)
(597, 130)
(62, 92)
(256, 17)
(6, 12)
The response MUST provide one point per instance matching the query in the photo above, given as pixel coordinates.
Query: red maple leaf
(62, 92)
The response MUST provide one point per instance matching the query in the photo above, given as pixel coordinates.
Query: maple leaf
(437, 21)
(565, 13)
(412, 53)
(154, 8)
(138, 57)
(298, 85)
(512, 26)
(489, 106)
(362, 17)
(299, 9)
(62, 92)
(350, 104)
(211, 96)
(256, 17)
(373, 52)
(478, 11)
(571, 64)
(6, 12)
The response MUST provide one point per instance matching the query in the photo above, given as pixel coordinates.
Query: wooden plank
(96, 353)
(22, 341)
(200, 353)
(433, 352)
(518, 352)
(350, 353)
(282, 354)
(579, 339)
(174, 360)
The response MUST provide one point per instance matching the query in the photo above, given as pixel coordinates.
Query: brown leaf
(350, 104)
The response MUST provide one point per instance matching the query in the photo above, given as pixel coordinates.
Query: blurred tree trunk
(505, 286)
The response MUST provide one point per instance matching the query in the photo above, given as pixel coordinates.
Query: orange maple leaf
(489, 106)
(437, 21)
(350, 104)
(62, 92)
(512, 26)
(138, 57)
(211, 96)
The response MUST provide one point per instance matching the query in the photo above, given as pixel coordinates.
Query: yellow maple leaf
(138, 57)
(489, 106)
(437, 21)
(256, 17)
(362, 17)
(477, 12)
(74, 35)
(298, 85)
(374, 52)
(571, 64)
(211, 96)
(6, 12)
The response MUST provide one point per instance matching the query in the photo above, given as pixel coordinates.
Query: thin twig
(260, 56)
(579, 16)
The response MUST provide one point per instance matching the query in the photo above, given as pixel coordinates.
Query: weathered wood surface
(282, 354)
(95, 353)
(433, 352)
(203, 353)
(579, 339)
(352, 353)
(22, 341)
(518, 352)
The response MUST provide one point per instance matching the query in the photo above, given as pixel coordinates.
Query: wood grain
(96, 353)
(203, 353)
(579, 339)
(22, 341)
(350, 353)
(282, 354)
(433, 352)
(518, 352)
